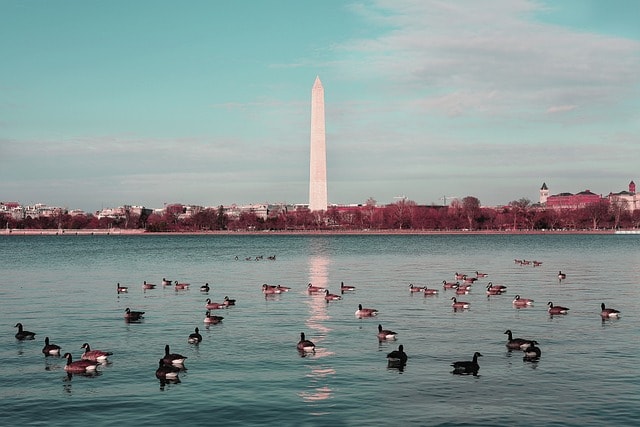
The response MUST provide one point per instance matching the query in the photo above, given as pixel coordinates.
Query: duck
(227, 301)
(50, 349)
(609, 312)
(167, 372)
(133, 316)
(122, 289)
(346, 288)
(204, 288)
(80, 366)
(304, 345)
(24, 335)
(561, 276)
(385, 334)
(521, 302)
(195, 337)
(556, 309)
(397, 358)
(515, 343)
(531, 352)
(94, 355)
(331, 297)
(212, 320)
(480, 275)
(366, 312)
(428, 291)
(172, 358)
(467, 366)
(146, 285)
(450, 285)
(314, 289)
(181, 286)
(415, 288)
(213, 305)
(459, 304)
(166, 282)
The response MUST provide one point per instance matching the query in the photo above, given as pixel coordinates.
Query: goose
(166, 282)
(556, 309)
(204, 288)
(181, 286)
(561, 276)
(397, 358)
(270, 290)
(313, 289)
(467, 366)
(346, 288)
(459, 276)
(166, 372)
(146, 285)
(468, 279)
(479, 275)
(428, 292)
(500, 288)
(459, 304)
(515, 343)
(609, 312)
(415, 288)
(24, 335)
(133, 316)
(50, 349)
(366, 312)
(449, 285)
(531, 352)
(283, 288)
(331, 297)
(172, 358)
(521, 302)
(212, 320)
(94, 355)
(122, 289)
(385, 334)
(213, 305)
(462, 291)
(305, 345)
(195, 337)
(80, 366)
(227, 301)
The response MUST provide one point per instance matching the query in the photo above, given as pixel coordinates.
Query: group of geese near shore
(171, 364)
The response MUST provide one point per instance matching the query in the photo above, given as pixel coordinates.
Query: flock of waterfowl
(170, 364)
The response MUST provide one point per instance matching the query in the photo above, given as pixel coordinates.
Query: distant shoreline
(123, 232)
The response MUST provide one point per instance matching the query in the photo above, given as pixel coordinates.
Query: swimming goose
(449, 285)
(121, 289)
(428, 291)
(166, 282)
(561, 276)
(521, 302)
(480, 275)
(515, 343)
(213, 305)
(468, 366)
(172, 358)
(556, 309)
(385, 334)
(227, 301)
(204, 288)
(270, 290)
(313, 289)
(180, 286)
(50, 349)
(80, 366)
(493, 288)
(195, 337)
(133, 316)
(146, 285)
(331, 297)
(22, 334)
(94, 355)
(397, 358)
(366, 312)
(346, 288)
(609, 312)
(531, 352)
(415, 288)
(167, 372)
(459, 304)
(212, 320)
(305, 345)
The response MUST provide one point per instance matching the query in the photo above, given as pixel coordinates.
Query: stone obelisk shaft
(318, 157)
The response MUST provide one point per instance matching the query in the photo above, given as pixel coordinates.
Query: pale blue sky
(104, 103)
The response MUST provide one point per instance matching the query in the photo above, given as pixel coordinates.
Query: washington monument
(318, 157)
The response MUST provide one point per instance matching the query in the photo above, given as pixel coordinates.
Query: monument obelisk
(318, 156)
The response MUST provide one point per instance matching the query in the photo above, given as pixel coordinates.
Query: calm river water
(247, 371)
